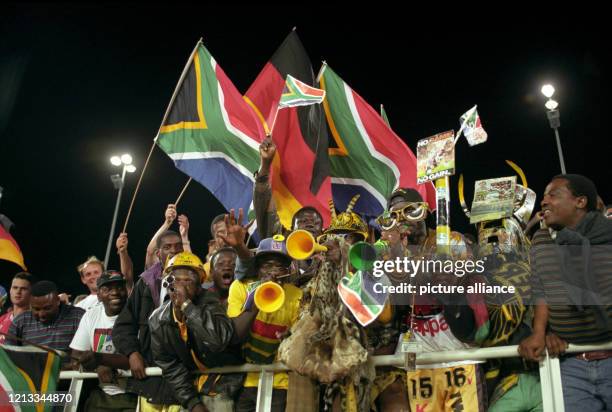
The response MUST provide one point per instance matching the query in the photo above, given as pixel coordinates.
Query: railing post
(550, 384)
(554, 368)
(264, 391)
(76, 385)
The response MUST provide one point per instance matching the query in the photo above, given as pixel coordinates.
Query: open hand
(183, 225)
(236, 233)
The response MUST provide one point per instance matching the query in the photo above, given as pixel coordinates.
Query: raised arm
(265, 210)
(170, 216)
(125, 261)
(184, 231)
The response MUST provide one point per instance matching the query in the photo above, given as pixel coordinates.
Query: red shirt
(5, 323)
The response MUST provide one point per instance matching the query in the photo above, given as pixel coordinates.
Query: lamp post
(554, 119)
(118, 182)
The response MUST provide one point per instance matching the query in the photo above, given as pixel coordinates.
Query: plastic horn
(386, 316)
(362, 254)
(301, 245)
(269, 297)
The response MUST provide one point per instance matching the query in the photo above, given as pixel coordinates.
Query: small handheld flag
(472, 127)
(297, 93)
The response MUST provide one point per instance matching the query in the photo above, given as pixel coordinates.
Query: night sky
(81, 83)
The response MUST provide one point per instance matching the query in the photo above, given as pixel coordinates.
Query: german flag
(9, 249)
(300, 171)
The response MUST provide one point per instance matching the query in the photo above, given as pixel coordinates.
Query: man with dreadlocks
(503, 247)
(434, 323)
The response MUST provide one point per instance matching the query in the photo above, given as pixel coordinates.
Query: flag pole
(443, 231)
(321, 70)
(182, 192)
(179, 84)
(275, 116)
(176, 89)
(127, 218)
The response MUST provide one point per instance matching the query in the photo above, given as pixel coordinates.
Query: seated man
(92, 347)
(261, 332)
(190, 333)
(49, 322)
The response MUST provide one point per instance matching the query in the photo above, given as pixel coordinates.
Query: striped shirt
(262, 344)
(56, 335)
(565, 319)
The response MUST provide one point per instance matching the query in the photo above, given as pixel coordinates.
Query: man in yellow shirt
(259, 332)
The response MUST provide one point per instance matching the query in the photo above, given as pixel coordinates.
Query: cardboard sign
(436, 157)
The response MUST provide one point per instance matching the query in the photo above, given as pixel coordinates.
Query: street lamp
(553, 118)
(548, 90)
(118, 182)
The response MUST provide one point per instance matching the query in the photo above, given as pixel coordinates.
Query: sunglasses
(326, 237)
(168, 281)
(412, 212)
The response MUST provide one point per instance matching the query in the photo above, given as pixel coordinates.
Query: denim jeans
(587, 385)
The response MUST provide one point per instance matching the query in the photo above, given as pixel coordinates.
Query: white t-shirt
(94, 333)
(432, 334)
(87, 303)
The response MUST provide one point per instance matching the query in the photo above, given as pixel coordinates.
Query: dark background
(81, 83)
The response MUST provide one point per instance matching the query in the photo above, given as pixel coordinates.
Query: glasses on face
(168, 281)
(412, 212)
(327, 237)
(171, 280)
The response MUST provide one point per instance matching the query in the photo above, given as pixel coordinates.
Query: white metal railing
(550, 372)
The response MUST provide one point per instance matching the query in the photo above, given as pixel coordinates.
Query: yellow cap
(185, 259)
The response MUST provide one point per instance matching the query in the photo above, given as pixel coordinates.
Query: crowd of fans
(187, 315)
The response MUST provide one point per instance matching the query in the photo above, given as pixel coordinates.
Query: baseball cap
(273, 246)
(110, 276)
